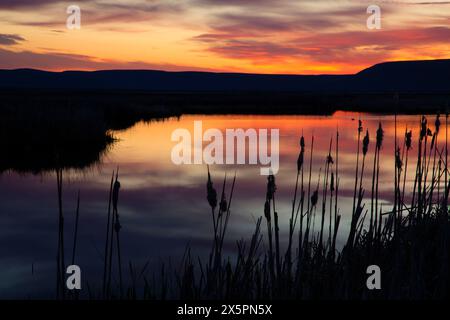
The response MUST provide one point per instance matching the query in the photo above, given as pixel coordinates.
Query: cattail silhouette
(435, 180)
(330, 235)
(360, 129)
(398, 160)
(408, 139)
(365, 148)
(267, 211)
(294, 215)
(408, 145)
(374, 223)
(299, 211)
(380, 134)
(271, 187)
(211, 196)
(366, 143)
(437, 123)
(423, 128)
(420, 167)
(329, 159)
(223, 203)
(115, 227)
(269, 195)
(329, 162)
(108, 242)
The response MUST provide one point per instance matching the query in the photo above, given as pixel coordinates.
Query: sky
(252, 36)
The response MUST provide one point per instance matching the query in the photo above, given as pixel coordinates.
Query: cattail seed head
(271, 187)
(366, 143)
(437, 123)
(223, 203)
(267, 210)
(330, 159)
(380, 134)
(302, 143)
(408, 139)
(360, 128)
(398, 160)
(423, 129)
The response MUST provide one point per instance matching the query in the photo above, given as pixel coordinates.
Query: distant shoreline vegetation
(38, 136)
(133, 106)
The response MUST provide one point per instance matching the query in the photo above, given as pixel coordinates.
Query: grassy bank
(44, 134)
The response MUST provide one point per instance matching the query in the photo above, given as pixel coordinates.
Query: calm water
(163, 206)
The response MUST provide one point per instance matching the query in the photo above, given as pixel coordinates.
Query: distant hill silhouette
(408, 76)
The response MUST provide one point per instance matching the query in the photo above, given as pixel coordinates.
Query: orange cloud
(268, 36)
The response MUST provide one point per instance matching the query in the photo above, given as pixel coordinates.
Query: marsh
(162, 205)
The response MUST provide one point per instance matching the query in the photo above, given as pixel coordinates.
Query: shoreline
(277, 103)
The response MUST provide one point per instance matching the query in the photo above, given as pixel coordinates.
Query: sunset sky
(257, 36)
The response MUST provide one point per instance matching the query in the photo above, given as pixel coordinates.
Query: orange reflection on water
(146, 149)
(163, 206)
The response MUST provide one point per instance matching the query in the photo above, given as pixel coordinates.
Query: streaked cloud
(30, 4)
(63, 61)
(235, 35)
(10, 39)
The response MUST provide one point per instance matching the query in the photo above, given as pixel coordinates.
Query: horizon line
(221, 72)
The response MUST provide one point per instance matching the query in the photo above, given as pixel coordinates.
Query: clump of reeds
(409, 241)
(318, 272)
(220, 224)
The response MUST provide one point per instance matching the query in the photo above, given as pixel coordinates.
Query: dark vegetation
(123, 108)
(35, 142)
(409, 241)
(39, 134)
